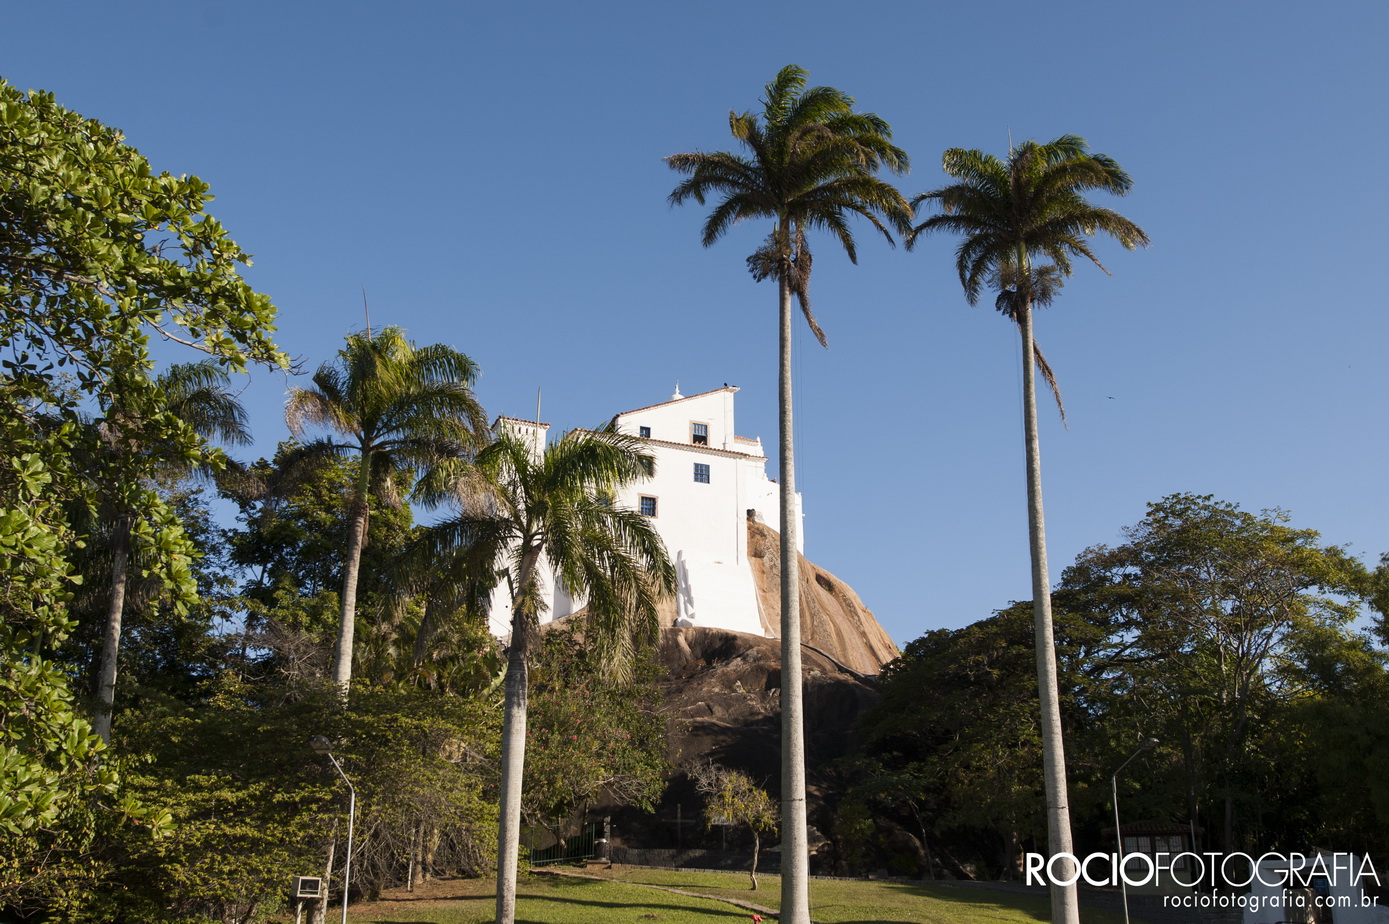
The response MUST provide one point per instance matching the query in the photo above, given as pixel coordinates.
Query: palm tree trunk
(795, 853)
(513, 750)
(111, 634)
(513, 770)
(423, 634)
(1064, 908)
(356, 541)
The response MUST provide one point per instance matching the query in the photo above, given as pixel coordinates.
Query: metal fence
(739, 860)
(552, 844)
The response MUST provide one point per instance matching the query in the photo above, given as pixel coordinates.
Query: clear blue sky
(492, 175)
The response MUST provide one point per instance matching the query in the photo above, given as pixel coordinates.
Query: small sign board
(306, 887)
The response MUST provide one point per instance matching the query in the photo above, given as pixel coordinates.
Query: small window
(647, 506)
(644, 432)
(701, 473)
(699, 434)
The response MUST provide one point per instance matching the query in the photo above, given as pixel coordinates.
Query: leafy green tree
(296, 520)
(732, 798)
(252, 805)
(810, 163)
(1228, 635)
(1340, 723)
(1378, 596)
(520, 509)
(1010, 215)
(97, 252)
(1211, 604)
(54, 785)
(165, 649)
(591, 738)
(956, 731)
(397, 408)
(425, 766)
(198, 394)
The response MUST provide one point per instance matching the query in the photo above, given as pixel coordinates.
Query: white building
(708, 482)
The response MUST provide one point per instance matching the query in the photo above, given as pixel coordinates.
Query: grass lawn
(622, 897)
(835, 901)
(543, 900)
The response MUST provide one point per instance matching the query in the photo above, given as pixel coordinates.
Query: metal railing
(551, 844)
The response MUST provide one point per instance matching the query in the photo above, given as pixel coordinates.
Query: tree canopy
(1231, 636)
(98, 254)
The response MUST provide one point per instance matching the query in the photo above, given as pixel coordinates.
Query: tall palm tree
(197, 394)
(396, 408)
(1009, 214)
(809, 162)
(520, 508)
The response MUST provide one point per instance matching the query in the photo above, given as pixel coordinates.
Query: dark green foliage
(394, 410)
(57, 796)
(955, 740)
(1378, 594)
(167, 646)
(295, 522)
(591, 739)
(96, 253)
(1227, 635)
(1209, 603)
(1342, 733)
(252, 805)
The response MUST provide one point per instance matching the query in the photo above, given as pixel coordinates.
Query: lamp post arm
(1119, 837)
(1129, 761)
(1147, 745)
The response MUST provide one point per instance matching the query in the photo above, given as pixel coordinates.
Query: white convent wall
(703, 523)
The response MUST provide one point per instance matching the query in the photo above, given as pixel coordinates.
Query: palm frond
(200, 395)
(1050, 378)
(1032, 205)
(519, 503)
(810, 160)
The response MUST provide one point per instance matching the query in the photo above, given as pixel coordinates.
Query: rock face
(833, 619)
(723, 700)
(723, 689)
(723, 695)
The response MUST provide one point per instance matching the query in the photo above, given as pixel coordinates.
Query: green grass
(623, 897)
(834, 901)
(551, 900)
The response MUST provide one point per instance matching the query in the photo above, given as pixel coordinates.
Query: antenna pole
(366, 310)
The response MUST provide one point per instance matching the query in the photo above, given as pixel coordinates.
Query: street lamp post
(1147, 745)
(322, 745)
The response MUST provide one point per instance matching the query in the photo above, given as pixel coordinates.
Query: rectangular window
(699, 434)
(644, 432)
(647, 506)
(701, 473)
